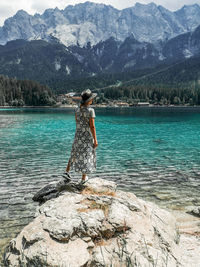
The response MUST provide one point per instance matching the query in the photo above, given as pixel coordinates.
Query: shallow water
(153, 152)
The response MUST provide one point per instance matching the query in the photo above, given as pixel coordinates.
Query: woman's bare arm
(93, 131)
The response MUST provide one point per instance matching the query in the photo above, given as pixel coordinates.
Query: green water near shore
(152, 152)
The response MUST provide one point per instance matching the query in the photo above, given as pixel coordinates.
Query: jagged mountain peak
(188, 10)
(50, 11)
(92, 22)
(151, 4)
(109, 40)
(21, 12)
(189, 16)
(190, 7)
(88, 5)
(141, 9)
(131, 39)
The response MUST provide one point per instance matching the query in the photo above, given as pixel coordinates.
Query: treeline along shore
(156, 95)
(19, 93)
(15, 92)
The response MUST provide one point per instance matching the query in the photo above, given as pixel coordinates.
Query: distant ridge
(59, 67)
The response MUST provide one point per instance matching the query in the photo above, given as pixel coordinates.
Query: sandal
(84, 181)
(66, 176)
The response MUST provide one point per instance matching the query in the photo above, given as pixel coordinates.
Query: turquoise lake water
(153, 152)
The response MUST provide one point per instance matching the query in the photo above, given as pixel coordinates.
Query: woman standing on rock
(83, 153)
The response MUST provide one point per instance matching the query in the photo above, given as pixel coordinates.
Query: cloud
(5, 11)
(9, 8)
(39, 6)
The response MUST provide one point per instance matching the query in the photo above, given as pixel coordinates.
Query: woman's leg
(84, 176)
(68, 166)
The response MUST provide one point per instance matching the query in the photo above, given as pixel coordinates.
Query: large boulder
(97, 226)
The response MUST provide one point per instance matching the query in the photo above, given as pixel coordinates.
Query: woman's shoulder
(91, 112)
(90, 109)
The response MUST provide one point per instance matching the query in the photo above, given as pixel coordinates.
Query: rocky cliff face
(183, 46)
(46, 61)
(90, 22)
(96, 225)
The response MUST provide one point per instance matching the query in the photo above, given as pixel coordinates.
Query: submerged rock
(97, 225)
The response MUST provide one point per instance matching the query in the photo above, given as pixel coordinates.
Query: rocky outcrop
(96, 225)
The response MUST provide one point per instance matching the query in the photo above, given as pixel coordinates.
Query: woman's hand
(95, 144)
(93, 131)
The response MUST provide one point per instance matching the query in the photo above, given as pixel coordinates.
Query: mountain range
(143, 37)
(49, 62)
(90, 22)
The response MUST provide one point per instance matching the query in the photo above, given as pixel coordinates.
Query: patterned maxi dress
(83, 154)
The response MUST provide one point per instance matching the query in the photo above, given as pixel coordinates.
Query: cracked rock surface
(97, 225)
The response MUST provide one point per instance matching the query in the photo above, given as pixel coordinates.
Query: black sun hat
(87, 95)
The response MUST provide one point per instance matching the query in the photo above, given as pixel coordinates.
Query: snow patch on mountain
(71, 34)
(130, 64)
(18, 61)
(79, 57)
(68, 70)
(145, 53)
(57, 65)
(92, 74)
(65, 33)
(187, 53)
(161, 57)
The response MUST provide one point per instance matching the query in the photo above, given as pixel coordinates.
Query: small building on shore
(71, 94)
(69, 98)
(142, 104)
(122, 104)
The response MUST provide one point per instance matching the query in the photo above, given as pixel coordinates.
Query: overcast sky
(9, 7)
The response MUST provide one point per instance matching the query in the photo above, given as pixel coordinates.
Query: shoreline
(105, 106)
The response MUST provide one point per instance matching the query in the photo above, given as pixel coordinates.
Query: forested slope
(15, 92)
